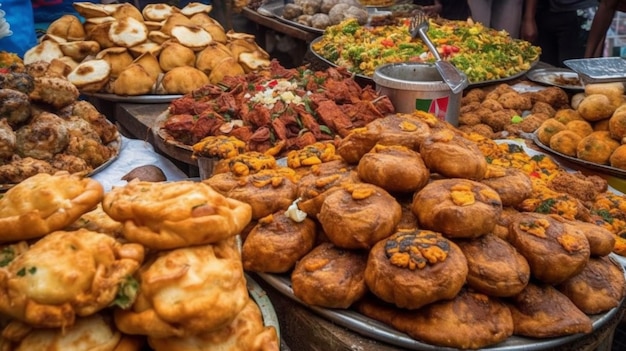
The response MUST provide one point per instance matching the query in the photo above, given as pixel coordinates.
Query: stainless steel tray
(140, 99)
(278, 13)
(551, 76)
(371, 328)
(599, 69)
(270, 319)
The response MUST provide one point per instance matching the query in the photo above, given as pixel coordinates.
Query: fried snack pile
(161, 49)
(44, 128)
(475, 226)
(150, 262)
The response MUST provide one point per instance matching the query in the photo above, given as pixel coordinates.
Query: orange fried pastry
(601, 240)
(169, 215)
(245, 333)
(277, 233)
(394, 168)
(67, 274)
(44, 203)
(470, 320)
(458, 208)
(245, 163)
(94, 332)
(598, 288)
(541, 311)
(413, 268)
(453, 156)
(358, 215)
(512, 184)
(266, 191)
(329, 276)
(495, 267)
(554, 250)
(187, 291)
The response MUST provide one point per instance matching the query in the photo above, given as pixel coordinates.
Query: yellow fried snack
(170, 215)
(220, 146)
(67, 274)
(184, 292)
(44, 203)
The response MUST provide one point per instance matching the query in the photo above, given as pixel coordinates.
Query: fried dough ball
(19, 169)
(491, 105)
(516, 101)
(597, 147)
(595, 107)
(453, 156)
(618, 157)
(547, 129)
(598, 288)
(414, 268)
(70, 163)
(495, 266)
(457, 208)
(7, 139)
(45, 136)
(543, 107)
(554, 96)
(106, 130)
(473, 95)
(555, 250)
(601, 240)
(277, 233)
(499, 119)
(394, 168)
(469, 119)
(359, 215)
(91, 150)
(567, 115)
(14, 106)
(565, 142)
(541, 311)
(481, 129)
(52, 283)
(531, 122)
(580, 127)
(512, 184)
(470, 106)
(58, 92)
(187, 291)
(330, 277)
(245, 332)
(485, 320)
(617, 123)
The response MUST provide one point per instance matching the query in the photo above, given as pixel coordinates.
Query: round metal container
(418, 86)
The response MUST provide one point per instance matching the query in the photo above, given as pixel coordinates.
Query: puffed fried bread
(168, 215)
(44, 203)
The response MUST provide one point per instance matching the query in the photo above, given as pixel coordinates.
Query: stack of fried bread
(468, 225)
(149, 261)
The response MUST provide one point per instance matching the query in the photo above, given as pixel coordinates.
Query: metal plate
(374, 329)
(137, 99)
(278, 13)
(558, 77)
(270, 319)
(599, 69)
(620, 173)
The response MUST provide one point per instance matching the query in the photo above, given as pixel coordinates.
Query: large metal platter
(599, 69)
(374, 329)
(137, 99)
(620, 173)
(278, 13)
(270, 319)
(369, 79)
(554, 77)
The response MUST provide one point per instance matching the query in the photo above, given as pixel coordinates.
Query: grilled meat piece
(19, 81)
(14, 106)
(45, 136)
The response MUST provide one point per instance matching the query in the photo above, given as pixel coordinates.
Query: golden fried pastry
(245, 333)
(94, 332)
(245, 163)
(617, 123)
(542, 107)
(457, 208)
(413, 268)
(358, 215)
(495, 266)
(541, 311)
(183, 80)
(99, 221)
(596, 107)
(554, 96)
(266, 191)
(596, 147)
(313, 154)
(484, 320)
(44, 203)
(330, 277)
(44, 136)
(67, 274)
(583, 187)
(618, 157)
(502, 222)
(397, 129)
(566, 115)
(512, 184)
(277, 233)
(394, 168)
(547, 129)
(601, 240)
(580, 127)
(598, 288)
(554, 251)
(169, 215)
(58, 92)
(613, 90)
(453, 156)
(565, 142)
(187, 291)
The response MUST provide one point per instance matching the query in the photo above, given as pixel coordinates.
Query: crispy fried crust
(172, 215)
(44, 203)
(64, 275)
(187, 291)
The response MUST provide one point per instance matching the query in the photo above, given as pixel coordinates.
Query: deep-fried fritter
(554, 96)
(480, 128)
(597, 147)
(21, 168)
(515, 101)
(565, 142)
(581, 186)
(532, 122)
(469, 119)
(468, 107)
(90, 150)
(85, 110)
(45, 136)
(19, 81)
(492, 105)
(583, 128)
(70, 163)
(14, 106)
(566, 115)
(7, 139)
(498, 119)
(474, 95)
(58, 92)
(543, 107)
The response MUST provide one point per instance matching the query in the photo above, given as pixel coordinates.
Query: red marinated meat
(332, 116)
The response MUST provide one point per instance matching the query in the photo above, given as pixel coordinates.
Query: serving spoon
(456, 80)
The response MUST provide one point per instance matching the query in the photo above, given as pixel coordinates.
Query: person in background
(559, 27)
(600, 25)
(448, 9)
(498, 14)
